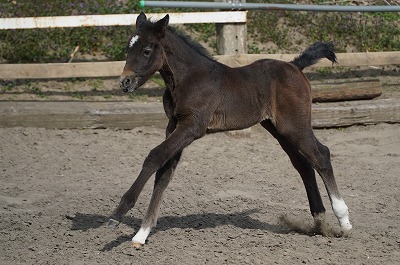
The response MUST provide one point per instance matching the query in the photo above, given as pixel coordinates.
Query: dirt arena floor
(224, 205)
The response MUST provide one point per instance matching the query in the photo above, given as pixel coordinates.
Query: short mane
(183, 36)
(189, 41)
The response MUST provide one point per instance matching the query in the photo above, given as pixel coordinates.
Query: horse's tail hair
(314, 53)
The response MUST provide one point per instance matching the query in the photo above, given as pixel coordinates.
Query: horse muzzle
(129, 83)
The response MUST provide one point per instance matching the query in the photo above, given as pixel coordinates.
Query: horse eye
(147, 51)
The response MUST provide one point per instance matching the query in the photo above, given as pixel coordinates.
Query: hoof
(346, 232)
(112, 223)
(137, 245)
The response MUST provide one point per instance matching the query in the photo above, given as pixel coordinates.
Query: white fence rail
(119, 20)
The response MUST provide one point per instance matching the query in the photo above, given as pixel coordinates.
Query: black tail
(314, 53)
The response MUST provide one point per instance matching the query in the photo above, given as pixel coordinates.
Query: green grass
(158, 80)
(34, 88)
(8, 85)
(139, 96)
(78, 95)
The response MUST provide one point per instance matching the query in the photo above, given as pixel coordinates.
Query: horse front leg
(157, 159)
(129, 199)
(162, 179)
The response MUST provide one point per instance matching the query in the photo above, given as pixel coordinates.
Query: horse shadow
(243, 220)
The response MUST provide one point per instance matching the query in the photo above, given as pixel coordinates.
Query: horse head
(144, 53)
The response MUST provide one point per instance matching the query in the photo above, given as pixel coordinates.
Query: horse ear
(161, 26)
(140, 20)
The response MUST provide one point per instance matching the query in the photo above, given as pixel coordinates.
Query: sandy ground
(223, 206)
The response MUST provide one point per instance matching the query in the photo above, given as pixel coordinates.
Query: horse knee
(325, 160)
(155, 159)
(324, 150)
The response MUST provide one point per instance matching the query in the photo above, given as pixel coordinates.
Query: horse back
(253, 93)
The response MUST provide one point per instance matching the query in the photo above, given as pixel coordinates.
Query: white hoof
(342, 213)
(345, 225)
(140, 238)
(137, 245)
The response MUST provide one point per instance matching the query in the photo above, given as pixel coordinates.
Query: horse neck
(181, 60)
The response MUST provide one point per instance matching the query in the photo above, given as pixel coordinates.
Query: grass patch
(158, 80)
(8, 86)
(77, 95)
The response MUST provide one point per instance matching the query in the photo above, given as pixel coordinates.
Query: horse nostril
(127, 82)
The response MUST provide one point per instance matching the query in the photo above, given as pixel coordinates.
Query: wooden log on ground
(77, 115)
(128, 115)
(346, 90)
(342, 114)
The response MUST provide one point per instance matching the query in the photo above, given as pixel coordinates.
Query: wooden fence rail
(112, 69)
(119, 20)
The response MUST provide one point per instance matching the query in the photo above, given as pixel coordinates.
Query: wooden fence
(102, 69)
(231, 27)
(231, 56)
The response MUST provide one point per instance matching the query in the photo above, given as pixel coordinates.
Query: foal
(203, 96)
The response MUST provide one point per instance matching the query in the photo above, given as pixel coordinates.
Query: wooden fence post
(232, 40)
(231, 37)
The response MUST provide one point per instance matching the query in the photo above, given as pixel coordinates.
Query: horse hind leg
(318, 155)
(324, 168)
(162, 179)
(305, 170)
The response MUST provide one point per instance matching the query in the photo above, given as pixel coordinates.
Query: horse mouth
(129, 84)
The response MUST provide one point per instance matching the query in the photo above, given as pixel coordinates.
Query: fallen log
(342, 114)
(78, 115)
(346, 90)
(128, 115)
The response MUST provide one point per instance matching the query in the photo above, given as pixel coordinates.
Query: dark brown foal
(203, 96)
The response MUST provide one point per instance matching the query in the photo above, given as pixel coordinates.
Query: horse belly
(241, 105)
(236, 119)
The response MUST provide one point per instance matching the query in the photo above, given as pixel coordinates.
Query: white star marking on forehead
(133, 40)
